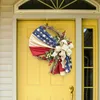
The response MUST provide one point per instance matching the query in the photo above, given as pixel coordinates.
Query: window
(57, 4)
(53, 5)
(89, 60)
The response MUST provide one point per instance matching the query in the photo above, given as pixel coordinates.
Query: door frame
(55, 15)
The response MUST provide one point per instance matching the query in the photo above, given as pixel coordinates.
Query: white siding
(6, 98)
(5, 81)
(6, 15)
(5, 93)
(5, 87)
(5, 67)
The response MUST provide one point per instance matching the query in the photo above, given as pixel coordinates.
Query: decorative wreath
(56, 50)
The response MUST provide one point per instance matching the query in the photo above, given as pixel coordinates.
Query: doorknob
(71, 88)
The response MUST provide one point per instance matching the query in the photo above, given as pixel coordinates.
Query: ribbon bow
(64, 51)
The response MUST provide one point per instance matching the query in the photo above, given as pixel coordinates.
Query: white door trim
(78, 59)
(46, 16)
(14, 59)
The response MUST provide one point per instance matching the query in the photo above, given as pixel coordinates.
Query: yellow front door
(34, 82)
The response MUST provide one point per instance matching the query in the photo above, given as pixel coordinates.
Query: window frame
(95, 60)
(93, 2)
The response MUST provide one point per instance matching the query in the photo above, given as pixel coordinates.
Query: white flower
(63, 42)
(62, 54)
(71, 46)
(54, 54)
(58, 49)
(65, 47)
(69, 52)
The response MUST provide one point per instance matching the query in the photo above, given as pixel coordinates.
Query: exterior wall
(6, 54)
(6, 15)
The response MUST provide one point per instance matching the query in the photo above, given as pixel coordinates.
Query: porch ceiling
(11, 2)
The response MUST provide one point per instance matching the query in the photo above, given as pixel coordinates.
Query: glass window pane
(61, 4)
(88, 57)
(88, 77)
(88, 37)
(88, 94)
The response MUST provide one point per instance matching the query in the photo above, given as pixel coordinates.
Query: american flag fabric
(41, 41)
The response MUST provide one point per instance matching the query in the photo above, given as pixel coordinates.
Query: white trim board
(56, 15)
(14, 59)
(78, 59)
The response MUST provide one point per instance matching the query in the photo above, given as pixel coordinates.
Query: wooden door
(34, 82)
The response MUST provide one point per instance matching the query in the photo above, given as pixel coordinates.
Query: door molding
(47, 16)
(78, 59)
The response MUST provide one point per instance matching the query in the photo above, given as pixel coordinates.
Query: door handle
(71, 88)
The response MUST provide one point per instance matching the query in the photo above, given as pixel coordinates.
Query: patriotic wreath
(55, 49)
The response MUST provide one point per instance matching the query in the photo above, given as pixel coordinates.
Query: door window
(57, 4)
(89, 60)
